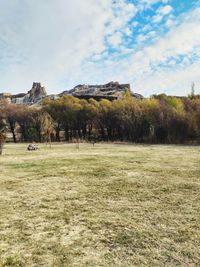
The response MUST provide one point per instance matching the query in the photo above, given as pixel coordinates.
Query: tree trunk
(58, 134)
(1, 148)
(12, 128)
(14, 135)
(66, 134)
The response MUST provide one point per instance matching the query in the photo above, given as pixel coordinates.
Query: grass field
(108, 205)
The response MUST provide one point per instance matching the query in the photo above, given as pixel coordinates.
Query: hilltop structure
(110, 91)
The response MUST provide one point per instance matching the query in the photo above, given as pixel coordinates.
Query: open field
(107, 205)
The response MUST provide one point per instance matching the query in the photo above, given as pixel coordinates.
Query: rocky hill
(110, 91)
(35, 95)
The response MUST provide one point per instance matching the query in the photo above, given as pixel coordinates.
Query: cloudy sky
(152, 44)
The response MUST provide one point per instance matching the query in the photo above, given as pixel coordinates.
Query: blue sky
(152, 44)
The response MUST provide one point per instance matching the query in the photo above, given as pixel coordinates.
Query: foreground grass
(108, 205)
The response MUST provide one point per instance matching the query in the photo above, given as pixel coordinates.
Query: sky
(152, 44)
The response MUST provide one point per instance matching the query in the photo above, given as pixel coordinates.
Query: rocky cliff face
(110, 91)
(36, 94)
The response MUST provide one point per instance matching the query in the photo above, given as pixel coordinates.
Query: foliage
(159, 119)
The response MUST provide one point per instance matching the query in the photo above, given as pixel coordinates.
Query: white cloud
(49, 41)
(157, 18)
(144, 37)
(174, 81)
(141, 38)
(162, 12)
(153, 64)
(169, 23)
(169, 65)
(115, 40)
(145, 4)
(62, 43)
(165, 10)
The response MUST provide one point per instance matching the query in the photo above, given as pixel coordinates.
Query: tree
(192, 94)
(3, 129)
(55, 109)
(11, 110)
(47, 127)
(24, 118)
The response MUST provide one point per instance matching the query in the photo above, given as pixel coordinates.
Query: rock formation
(35, 95)
(110, 91)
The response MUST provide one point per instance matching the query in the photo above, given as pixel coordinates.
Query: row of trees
(160, 119)
(25, 124)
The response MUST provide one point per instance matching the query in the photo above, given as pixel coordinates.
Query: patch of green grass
(107, 205)
(12, 260)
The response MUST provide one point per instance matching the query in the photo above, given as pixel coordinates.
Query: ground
(114, 205)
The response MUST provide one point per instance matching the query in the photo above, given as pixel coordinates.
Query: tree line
(159, 119)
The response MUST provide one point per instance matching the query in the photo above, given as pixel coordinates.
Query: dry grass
(108, 205)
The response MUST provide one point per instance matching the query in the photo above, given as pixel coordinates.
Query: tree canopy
(159, 119)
